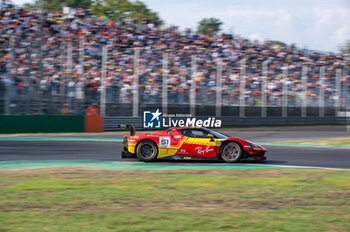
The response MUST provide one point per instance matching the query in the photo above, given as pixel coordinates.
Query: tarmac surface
(32, 150)
(280, 134)
(110, 151)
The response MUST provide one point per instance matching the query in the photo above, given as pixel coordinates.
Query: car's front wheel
(146, 151)
(231, 152)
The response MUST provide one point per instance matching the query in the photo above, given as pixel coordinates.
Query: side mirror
(211, 137)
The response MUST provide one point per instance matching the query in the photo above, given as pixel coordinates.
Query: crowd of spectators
(54, 55)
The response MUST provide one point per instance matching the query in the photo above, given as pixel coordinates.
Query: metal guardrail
(110, 123)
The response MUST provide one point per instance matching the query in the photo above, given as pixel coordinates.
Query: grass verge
(63, 199)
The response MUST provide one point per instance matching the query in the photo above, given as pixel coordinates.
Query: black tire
(146, 151)
(231, 152)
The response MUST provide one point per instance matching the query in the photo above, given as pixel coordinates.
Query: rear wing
(130, 127)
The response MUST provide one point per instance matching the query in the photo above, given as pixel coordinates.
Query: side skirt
(181, 157)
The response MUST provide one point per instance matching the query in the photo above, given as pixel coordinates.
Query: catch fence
(157, 79)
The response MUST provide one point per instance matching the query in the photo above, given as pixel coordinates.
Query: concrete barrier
(110, 123)
(41, 123)
(95, 123)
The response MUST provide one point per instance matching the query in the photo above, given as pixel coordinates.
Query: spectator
(92, 110)
(65, 110)
(23, 35)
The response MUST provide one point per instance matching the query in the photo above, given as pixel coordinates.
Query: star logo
(156, 115)
(151, 119)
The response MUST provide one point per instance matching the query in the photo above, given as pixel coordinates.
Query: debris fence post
(338, 74)
(135, 90)
(165, 84)
(193, 87)
(321, 104)
(304, 96)
(264, 89)
(242, 89)
(218, 88)
(103, 81)
(285, 92)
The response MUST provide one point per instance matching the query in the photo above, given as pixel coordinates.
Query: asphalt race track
(110, 151)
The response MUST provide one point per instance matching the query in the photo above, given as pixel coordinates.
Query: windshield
(216, 134)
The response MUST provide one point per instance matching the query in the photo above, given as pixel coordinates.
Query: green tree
(276, 42)
(28, 5)
(345, 48)
(53, 5)
(140, 12)
(209, 26)
(113, 9)
(116, 9)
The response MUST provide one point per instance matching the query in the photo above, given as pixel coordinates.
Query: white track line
(225, 164)
(296, 166)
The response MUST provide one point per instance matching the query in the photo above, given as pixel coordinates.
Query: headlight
(253, 145)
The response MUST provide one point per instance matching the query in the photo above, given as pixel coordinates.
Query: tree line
(117, 9)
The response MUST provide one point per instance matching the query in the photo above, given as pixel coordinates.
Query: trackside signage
(155, 119)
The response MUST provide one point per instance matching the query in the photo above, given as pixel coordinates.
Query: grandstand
(48, 60)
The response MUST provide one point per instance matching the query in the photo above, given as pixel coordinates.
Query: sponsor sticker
(202, 151)
(182, 152)
(164, 142)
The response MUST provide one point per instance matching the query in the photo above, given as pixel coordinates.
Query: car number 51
(164, 142)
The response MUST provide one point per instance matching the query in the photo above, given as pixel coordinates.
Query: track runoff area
(76, 182)
(103, 151)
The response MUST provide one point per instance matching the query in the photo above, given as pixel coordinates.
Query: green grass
(335, 142)
(59, 199)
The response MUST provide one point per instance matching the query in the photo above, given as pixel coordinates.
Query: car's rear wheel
(231, 152)
(146, 151)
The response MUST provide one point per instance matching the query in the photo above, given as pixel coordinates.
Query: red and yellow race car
(189, 143)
